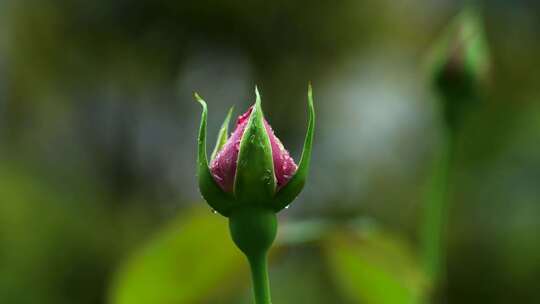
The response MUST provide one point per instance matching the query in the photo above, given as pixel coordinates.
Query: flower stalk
(253, 230)
(250, 178)
(460, 66)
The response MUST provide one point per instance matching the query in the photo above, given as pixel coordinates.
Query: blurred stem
(259, 274)
(436, 215)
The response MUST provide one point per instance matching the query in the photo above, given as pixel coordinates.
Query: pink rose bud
(250, 178)
(251, 168)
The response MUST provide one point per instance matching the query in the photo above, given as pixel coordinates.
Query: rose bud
(460, 64)
(250, 178)
(458, 69)
(251, 166)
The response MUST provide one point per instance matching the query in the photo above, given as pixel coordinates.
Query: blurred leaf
(51, 242)
(300, 232)
(374, 268)
(302, 264)
(191, 261)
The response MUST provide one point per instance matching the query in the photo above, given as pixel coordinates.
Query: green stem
(253, 230)
(259, 274)
(436, 216)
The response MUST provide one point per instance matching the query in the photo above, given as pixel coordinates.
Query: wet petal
(223, 166)
(284, 166)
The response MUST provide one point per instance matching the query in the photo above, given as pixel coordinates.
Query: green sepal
(210, 190)
(291, 190)
(223, 134)
(255, 181)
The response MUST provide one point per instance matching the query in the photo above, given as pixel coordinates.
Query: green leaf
(223, 134)
(291, 190)
(212, 193)
(374, 269)
(191, 261)
(255, 181)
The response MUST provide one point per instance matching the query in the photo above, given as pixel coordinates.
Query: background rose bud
(460, 64)
(459, 72)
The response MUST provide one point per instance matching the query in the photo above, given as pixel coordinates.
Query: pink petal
(223, 166)
(284, 166)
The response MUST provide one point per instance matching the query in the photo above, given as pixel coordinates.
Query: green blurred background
(98, 196)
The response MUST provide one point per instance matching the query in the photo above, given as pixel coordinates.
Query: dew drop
(287, 207)
(213, 211)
